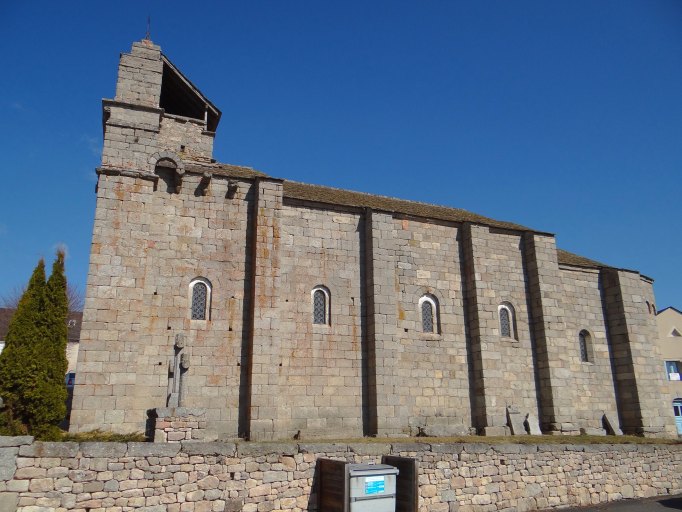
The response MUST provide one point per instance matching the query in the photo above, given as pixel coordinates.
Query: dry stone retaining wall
(269, 477)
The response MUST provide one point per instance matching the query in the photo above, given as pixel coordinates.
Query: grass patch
(101, 436)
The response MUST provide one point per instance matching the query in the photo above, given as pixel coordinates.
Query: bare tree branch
(75, 296)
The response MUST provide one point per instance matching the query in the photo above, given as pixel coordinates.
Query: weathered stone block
(109, 450)
(153, 449)
(9, 441)
(208, 448)
(255, 449)
(44, 449)
(8, 462)
(8, 501)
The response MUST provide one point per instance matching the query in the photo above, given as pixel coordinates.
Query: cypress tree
(53, 394)
(20, 361)
(33, 363)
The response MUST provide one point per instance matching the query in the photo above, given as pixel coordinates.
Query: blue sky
(562, 116)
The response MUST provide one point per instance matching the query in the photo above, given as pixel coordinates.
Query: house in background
(5, 317)
(74, 321)
(670, 344)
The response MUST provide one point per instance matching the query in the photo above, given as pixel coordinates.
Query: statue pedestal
(175, 424)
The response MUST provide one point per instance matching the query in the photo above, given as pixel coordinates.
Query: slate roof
(234, 171)
(74, 331)
(337, 196)
(330, 195)
(568, 258)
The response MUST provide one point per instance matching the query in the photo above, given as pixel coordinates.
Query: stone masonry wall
(320, 377)
(138, 300)
(642, 403)
(259, 366)
(503, 366)
(186, 137)
(136, 127)
(434, 392)
(593, 380)
(254, 477)
(556, 395)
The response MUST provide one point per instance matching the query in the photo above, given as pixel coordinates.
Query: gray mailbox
(344, 487)
(372, 487)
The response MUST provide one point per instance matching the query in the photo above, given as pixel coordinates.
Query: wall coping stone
(6, 441)
(49, 449)
(266, 449)
(208, 448)
(370, 448)
(551, 447)
(28, 447)
(447, 447)
(593, 448)
(515, 448)
(153, 449)
(103, 449)
(410, 447)
(322, 448)
(477, 447)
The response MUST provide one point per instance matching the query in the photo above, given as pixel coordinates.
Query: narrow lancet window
(584, 343)
(505, 324)
(427, 316)
(199, 300)
(507, 320)
(428, 306)
(319, 308)
(320, 305)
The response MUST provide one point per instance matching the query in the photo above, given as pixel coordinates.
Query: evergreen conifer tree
(33, 363)
(20, 361)
(53, 390)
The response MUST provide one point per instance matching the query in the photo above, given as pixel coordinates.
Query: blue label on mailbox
(374, 485)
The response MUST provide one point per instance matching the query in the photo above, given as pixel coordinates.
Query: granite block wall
(258, 364)
(321, 374)
(255, 477)
(592, 380)
(504, 369)
(434, 390)
(138, 300)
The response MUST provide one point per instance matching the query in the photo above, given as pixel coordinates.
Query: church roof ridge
(344, 197)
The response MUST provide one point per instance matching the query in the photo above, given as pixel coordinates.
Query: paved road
(660, 504)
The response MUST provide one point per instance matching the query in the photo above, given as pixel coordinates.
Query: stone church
(283, 310)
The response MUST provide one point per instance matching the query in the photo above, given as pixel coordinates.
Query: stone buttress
(203, 279)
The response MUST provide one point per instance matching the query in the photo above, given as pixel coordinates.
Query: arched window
(585, 346)
(648, 307)
(507, 319)
(200, 296)
(320, 296)
(428, 306)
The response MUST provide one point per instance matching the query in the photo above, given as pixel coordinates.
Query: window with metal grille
(199, 300)
(505, 323)
(319, 307)
(427, 316)
(428, 306)
(583, 341)
(507, 320)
